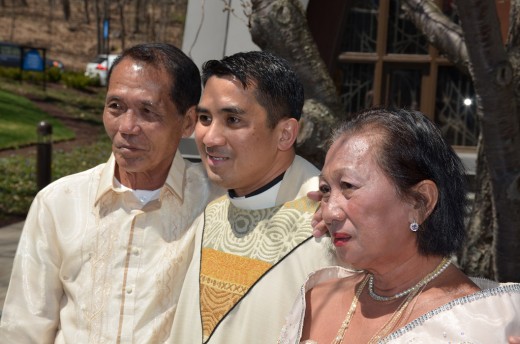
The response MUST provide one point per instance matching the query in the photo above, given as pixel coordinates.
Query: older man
(253, 246)
(104, 252)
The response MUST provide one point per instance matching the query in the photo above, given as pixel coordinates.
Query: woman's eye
(324, 189)
(346, 185)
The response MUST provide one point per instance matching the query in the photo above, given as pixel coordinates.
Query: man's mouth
(217, 158)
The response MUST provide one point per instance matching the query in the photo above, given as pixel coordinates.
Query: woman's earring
(414, 226)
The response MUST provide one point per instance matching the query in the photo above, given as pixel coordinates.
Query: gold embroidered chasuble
(240, 246)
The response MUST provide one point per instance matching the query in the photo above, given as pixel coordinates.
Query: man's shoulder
(197, 177)
(79, 179)
(305, 166)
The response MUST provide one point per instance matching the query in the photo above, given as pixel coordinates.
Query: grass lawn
(18, 122)
(19, 119)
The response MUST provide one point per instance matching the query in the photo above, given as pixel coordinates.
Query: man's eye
(151, 115)
(233, 120)
(204, 119)
(114, 106)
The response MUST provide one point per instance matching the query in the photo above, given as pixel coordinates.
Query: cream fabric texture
(259, 316)
(488, 316)
(94, 265)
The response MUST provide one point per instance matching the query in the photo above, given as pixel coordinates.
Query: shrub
(53, 74)
(76, 80)
(11, 73)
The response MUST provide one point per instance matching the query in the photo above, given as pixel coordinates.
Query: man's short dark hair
(278, 88)
(184, 75)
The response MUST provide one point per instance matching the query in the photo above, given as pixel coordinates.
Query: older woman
(393, 201)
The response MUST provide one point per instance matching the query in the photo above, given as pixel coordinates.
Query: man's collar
(174, 181)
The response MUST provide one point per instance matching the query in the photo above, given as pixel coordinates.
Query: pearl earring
(414, 226)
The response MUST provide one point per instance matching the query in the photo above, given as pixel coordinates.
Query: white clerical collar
(265, 199)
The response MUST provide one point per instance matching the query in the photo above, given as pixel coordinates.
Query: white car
(100, 66)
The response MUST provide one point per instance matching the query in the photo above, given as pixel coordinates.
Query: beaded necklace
(438, 270)
(397, 315)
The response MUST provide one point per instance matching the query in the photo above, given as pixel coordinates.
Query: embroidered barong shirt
(249, 263)
(95, 264)
(487, 316)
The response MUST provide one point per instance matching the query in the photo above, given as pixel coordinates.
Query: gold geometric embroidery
(240, 246)
(221, 286)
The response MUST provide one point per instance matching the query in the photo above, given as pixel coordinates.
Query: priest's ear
(288, 131)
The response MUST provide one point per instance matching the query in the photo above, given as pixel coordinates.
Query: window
(385, 60)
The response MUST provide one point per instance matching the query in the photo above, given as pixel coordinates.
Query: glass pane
(403, 88)
(361, 27)
(356, 90)
(455, 107)
(403, 36)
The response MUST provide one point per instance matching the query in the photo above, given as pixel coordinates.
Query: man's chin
(217, 179)
(130, 164)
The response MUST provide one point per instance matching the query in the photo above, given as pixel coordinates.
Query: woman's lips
(340, 239)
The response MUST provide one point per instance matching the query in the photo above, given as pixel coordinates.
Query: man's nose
(129, 123)
(214, 135)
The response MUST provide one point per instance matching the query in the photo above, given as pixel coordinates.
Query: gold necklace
(399, 311)
(344, 325)
(396, 316)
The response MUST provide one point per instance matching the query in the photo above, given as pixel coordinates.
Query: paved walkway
(9, 237)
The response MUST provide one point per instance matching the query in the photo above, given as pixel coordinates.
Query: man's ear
(288, 128)
(429, 197)
(189, 121)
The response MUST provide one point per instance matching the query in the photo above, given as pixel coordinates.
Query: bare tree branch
(440, 31)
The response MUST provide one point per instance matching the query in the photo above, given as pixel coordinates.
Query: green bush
(53, 74)
(76, 80)
(18, 183)
(11, 73)
(34, 77)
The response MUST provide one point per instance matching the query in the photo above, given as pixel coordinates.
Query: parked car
(10, 56)
(99, 67)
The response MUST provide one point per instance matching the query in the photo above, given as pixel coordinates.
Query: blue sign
(33, 61)
(106, 25)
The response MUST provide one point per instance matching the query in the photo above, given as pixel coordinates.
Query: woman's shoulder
(338, 283)
(328, 277)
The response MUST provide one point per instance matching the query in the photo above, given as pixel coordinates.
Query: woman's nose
(331, 210)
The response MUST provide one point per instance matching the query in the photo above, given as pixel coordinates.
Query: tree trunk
(280, 26)
(99, 31)
(66, 9)
(440, 31)
(476, 258)
(121, 6)
(493, 80)
(496, 205)
(87, 13)
(51, 17)
(139, 11)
